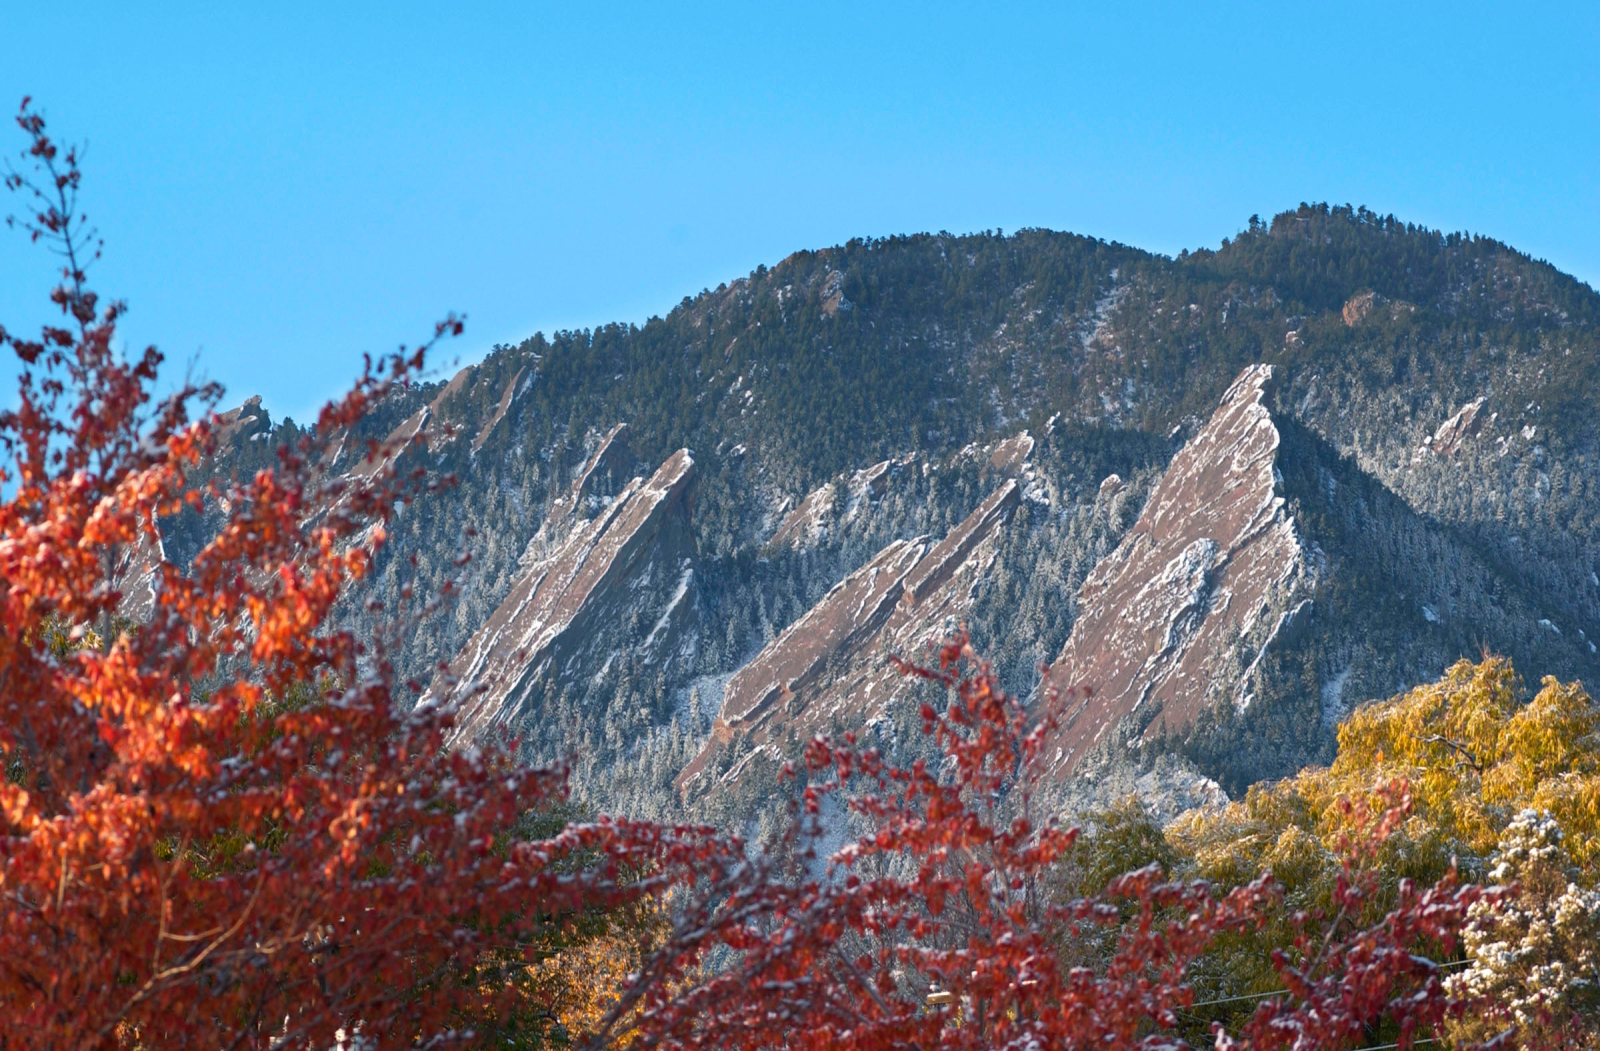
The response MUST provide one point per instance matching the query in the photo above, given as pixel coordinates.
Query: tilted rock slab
(1161, 619)
(833, 664)
(563, 603)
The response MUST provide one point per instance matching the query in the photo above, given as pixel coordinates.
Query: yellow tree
(1474, 757)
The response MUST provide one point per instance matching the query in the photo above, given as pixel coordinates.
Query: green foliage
(832, 360)
(1481, 763)
(1119, 839)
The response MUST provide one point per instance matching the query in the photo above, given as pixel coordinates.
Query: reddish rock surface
(1010, 457)
(807, 523)
(833, 664)
(1454, 432)
(1358, 306)
(135, 577)
(1161, 619)
(559, 600)
(500, 408)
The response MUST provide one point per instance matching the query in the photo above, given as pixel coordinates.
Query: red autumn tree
(929, 930)
(188, 859)
(184, 859)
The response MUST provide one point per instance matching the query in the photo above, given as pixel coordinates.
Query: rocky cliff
(1266, 586)
(1230, 563)
(602, 567)
(1213, 554)
(832, 668)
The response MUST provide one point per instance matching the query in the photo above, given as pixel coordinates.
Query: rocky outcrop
(811, 521)
(1162, 617)
(603, 476)
(838, 627)
(807, 523)
(1467, 422)
(832, 666)
(1358, 306)
(1268, 585)
(630, 563)
(242, 423)
(506, 395)
(135, 576)
(1011, 456)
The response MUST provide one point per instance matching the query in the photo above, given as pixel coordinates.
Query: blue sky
(283, 187)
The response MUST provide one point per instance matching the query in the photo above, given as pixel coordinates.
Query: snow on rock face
(1160, 617)
(593, 486)
(593, 577)
(500, 408)
(231, 425)
(832, 294)
(844, 621)
(807, 524)
(136, 575)
(833, 663)
(1447, 440)
(418, 424)
(871, 483)
(1167, 793)
(1010, 457)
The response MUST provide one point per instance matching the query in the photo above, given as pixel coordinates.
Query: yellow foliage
(1473, 756)
(579, 984)
(1442, 738)
(63, 639)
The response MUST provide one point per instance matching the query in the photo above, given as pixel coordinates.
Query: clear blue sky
(282, 188)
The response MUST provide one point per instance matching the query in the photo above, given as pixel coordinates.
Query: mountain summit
(1221, 498)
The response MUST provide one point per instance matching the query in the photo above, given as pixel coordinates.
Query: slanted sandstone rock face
(833, 665)
(1010, 457)
(1453, 433)
(507, 393)
(839, 626)
(136, 574)
(807, 523)
(1162, 618)
(135, 577)
(631, 562)
(835, 504)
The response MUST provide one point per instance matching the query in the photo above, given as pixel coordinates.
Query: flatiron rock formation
(1010, 457)
(1454, 432)
(1212, 553)
(1267, 585)
(631, 562)
(832, 666)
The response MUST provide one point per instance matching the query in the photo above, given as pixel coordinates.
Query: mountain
(832, 668)
(1222, 497)
(629, 563)
(1267, 585)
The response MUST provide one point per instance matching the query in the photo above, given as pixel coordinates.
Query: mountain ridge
(852, 397)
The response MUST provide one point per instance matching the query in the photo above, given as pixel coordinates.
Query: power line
(1236, 999)
(1280, 992)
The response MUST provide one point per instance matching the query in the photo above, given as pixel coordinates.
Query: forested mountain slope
(1435, 398)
